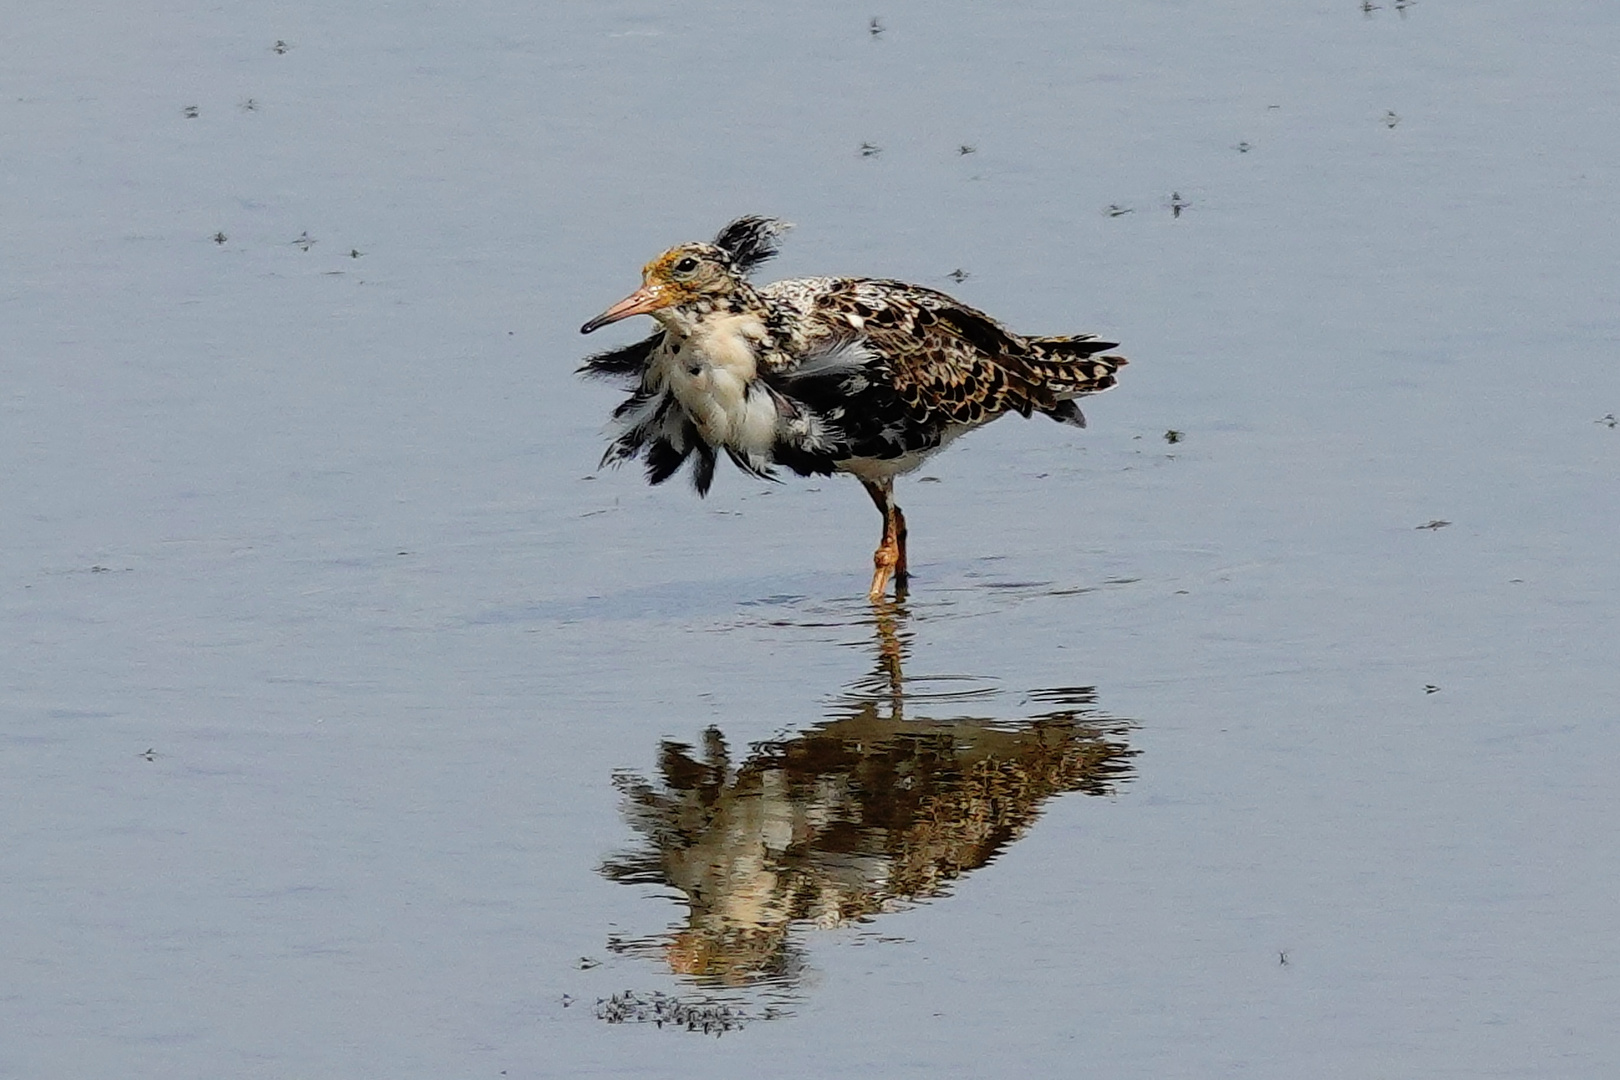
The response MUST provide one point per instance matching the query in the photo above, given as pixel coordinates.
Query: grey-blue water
(354, 726)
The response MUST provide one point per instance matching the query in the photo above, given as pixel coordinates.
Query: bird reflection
(869, 811)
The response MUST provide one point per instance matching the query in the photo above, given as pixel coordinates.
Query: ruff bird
(821, 375)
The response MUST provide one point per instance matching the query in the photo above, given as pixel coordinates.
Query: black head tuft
(751, 240)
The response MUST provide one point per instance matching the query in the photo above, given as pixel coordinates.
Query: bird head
(683, 277)
(698, 277)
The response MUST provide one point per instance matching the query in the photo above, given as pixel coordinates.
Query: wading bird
(821, 375)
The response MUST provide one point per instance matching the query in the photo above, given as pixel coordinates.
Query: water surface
(354, 725)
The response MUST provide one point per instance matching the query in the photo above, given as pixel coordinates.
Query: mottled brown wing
(947, 360)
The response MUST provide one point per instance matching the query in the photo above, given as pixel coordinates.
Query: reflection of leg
(891, 652)
(887, 557)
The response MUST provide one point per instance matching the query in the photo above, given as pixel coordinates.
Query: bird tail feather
(1068, 368)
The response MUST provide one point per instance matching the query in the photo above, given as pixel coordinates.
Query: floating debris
(702, 1015)
(1433, 525)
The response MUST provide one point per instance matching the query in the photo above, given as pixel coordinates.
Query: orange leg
(889, 560)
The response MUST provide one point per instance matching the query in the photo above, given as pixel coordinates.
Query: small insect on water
(823, 375)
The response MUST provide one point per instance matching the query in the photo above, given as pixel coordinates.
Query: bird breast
(712, 372)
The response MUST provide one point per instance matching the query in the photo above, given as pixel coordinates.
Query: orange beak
(648, 298)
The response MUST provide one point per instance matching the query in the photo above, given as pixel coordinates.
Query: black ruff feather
(664, 460)
(625, 360)
(703, 468)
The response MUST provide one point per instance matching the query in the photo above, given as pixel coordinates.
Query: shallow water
(354, 726)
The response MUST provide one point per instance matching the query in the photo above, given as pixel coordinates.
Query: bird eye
(686, 265)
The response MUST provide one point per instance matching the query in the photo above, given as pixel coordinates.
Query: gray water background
(324, 642)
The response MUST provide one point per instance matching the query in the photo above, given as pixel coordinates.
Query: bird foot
(886, 564)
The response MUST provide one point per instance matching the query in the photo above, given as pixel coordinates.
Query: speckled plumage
(821, 375)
